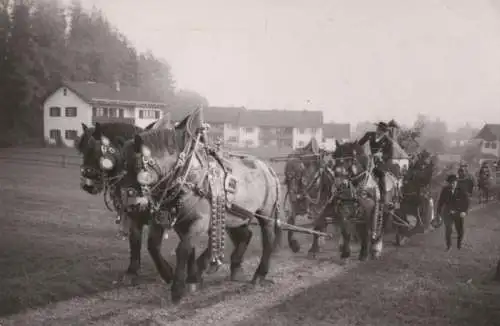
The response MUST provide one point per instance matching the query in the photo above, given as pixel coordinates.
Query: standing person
(453, 206)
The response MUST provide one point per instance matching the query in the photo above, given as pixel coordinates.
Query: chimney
(117, 85)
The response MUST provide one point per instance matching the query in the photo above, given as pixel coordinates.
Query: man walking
(453, 206)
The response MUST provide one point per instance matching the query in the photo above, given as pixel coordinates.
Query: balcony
(113, 120)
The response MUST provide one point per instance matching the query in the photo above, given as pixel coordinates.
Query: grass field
(59, 242)
(60, 254)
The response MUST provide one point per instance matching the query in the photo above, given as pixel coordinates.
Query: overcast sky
(354, 59)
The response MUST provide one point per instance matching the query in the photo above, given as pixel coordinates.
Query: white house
(280, 128)
(333, 132)
(74, 103)
(489, 140)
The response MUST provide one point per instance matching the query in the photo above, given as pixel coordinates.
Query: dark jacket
(457, 201)
(384, 145)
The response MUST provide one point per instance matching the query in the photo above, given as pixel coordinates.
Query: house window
(149, 114)
(302, 131)
(113, 113)
(248, 130)
(70, 134)
(70, 111)
(99, 112)
(55, 111)
(249, 142)
(65, 91)
(232, 139)
(121, 113)
(493, 145)
(313, 130)
(487, 144)
(55, 134)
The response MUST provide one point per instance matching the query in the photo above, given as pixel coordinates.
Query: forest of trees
(43, 43)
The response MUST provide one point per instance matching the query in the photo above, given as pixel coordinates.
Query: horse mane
(112, 130)
(159, 140)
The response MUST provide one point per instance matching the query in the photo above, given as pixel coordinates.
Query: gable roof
(211, 114)
(490, 132)
(281, 118)
(337, 130)
(92, 92)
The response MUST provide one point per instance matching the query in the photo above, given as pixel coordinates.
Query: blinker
(106, 163)
(146, 178)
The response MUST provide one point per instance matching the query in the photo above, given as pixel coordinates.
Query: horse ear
(137, 143)
(337, 144)
(97, 130)
(84, 127)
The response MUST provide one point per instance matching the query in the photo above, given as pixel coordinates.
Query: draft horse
(358, 199)
(416, 200)
(308, 181)
(188, 186)
(102, 168)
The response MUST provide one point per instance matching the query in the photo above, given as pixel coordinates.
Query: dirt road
(419, 284)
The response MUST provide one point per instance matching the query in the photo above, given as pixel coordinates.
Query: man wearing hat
(453, 207)
(381, 149)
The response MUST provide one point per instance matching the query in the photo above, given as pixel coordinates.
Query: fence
(64, 158)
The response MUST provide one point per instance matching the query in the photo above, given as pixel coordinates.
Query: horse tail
(278, 232)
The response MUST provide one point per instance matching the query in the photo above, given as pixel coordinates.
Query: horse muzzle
(135, 202)
(91, 186)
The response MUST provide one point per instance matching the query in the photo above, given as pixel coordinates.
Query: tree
(187, 99)
(155, 77)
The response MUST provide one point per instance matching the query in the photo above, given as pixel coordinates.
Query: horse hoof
(312, 254)
(128, 279)
(192, 287)
(261, 281)
(294, 245)
(238, 275)
(345, 255)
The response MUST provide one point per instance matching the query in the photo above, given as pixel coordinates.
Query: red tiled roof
(95, 92)
(337, 130)
(281, 118)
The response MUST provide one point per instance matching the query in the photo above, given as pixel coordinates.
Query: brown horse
(358, 199)
(194, 190)
(416, 199)
(101, 170)
(308, 184)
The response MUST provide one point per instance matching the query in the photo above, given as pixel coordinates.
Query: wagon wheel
(409, 224)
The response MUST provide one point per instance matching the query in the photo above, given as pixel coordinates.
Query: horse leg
(267, 234)
(320, 225)
(155, 239)
(135, 243)
(497, 273)
(345, 248)
(183, 254)
(192, 271)
(364, 236)
(240, 237)
(293, 243)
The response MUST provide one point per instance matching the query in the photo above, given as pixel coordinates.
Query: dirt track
(417, 284)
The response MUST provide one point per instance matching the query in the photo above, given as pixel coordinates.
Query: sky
(355, 60)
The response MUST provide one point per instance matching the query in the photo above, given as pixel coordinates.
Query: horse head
(157, 161)
(101, 149)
